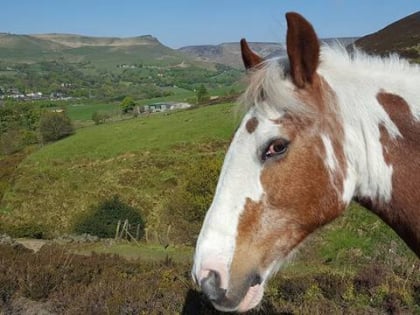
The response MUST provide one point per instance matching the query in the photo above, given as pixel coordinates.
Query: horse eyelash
(267, 145)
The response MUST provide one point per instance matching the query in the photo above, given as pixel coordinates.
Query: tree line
(23, 124)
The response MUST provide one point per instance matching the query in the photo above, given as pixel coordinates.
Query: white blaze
(238, 181)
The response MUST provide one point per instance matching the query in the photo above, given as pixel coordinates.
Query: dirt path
(32, 244)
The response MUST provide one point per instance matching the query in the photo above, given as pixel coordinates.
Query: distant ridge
(230, 53)
(402, 36)
(104, 52)
(76, 41)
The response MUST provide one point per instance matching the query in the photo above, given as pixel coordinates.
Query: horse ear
(302, 49)
(249, 58)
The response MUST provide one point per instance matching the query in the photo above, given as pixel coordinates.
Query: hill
(230, 53)
(146, 161)
(402, 36)
(66, 66)
(101, 51)
(76, 41)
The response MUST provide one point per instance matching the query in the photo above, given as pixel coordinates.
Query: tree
(54, 126)
(127, 104)
(99, 118)
(202, 94)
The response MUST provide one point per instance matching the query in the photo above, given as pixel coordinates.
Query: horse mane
(270, 86)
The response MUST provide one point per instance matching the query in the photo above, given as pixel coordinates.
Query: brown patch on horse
(302, 49)
(251, 124)
(321, 97)
(402, 213)
(293, 206)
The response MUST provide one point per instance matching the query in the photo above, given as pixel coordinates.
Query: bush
(202, 94)
(27, 230)
(293, 290)
(54, 126)
(15, 139)
(127, 104)
(102, 219)
(188, 205)
(99, 118)
(370, 277)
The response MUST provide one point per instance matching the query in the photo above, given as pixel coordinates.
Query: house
(162, 107)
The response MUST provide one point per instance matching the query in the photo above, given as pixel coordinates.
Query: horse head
(321, 128)
(276, 185)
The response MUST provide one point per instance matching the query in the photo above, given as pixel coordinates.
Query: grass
(155, 132)
(133, 251)
(82, 111)
(142, 160)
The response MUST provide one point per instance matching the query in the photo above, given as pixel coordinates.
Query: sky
(178, 23)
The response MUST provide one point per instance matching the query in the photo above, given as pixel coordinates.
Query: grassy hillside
(147, 162)
(141, 160)
(102, 52)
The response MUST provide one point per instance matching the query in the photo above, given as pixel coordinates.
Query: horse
(322, 127)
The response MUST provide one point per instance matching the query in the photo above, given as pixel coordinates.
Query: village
(16, 94)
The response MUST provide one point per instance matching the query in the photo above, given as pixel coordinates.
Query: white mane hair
(367, 75)
(270, 88)
(270, 84)
(356, 80)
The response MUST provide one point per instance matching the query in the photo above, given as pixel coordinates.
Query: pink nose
(213, 266)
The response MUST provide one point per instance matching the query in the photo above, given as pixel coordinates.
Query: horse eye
(277, 147)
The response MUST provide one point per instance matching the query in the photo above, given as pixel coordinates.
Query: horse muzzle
(240, 296)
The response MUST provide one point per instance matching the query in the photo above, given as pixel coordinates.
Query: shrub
(127, 104)
(332, 286)
(8, 285)
(416, 293)
(369, 277)
(66, 283)
(54, 126)
(99, 118)
(293, 290)
(27, 230)
(103, 218)
(188, 205)
(15, 139)
(202, 94)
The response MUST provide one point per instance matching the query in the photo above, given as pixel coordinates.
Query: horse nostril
(211, 286)
(256, 279)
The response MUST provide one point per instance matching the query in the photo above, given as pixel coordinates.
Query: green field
(84, 111)
(141, 160)
(154, 132)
